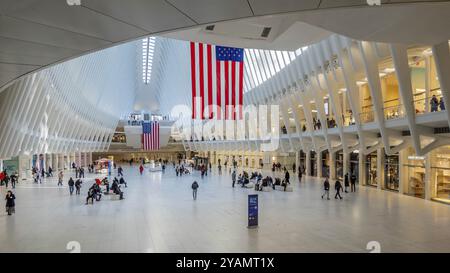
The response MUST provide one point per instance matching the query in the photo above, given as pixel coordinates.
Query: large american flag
(150, 135)
(217, 74)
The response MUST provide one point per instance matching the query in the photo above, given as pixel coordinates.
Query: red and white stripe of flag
(215, 84)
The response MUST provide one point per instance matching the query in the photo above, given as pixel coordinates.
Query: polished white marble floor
(159, 215)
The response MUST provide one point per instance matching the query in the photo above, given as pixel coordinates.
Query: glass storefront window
(354, 165)
(371, 169)
(415, 174)
(325, 166)
(302, 160)
(391, 172)
(440, 168)
(313, 171)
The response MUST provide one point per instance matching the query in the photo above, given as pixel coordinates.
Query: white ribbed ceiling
(37, 33)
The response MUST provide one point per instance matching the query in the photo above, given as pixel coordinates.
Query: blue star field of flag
(224, 53)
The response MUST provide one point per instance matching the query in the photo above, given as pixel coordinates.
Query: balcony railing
(367, 116)
(349, 119)
(424, 105)
(394, 112)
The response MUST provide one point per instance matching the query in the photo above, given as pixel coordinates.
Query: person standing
(233, 177)
(14, 178)
(141, 169)
(194, 190)
(353, 183)
(60, 178)
(287, 176)
(76, 172)
(10, 203)
(6, 180)
(441, 104)
(220, 169)
(78, 186)
(71, 184)
(346, 182)
(326, 188)
(338, 188)
(434, 103)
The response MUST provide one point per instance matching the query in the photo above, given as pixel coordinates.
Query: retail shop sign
(252, 211)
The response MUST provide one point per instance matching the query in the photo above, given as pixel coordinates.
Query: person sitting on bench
(122, 181)
(277, 182)
(91, 195)
(116, 189)
(259, 177)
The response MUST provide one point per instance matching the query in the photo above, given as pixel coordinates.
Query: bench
(250, 185)
(281, 188)
(267, 189)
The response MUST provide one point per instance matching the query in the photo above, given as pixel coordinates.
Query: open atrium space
(224, 126)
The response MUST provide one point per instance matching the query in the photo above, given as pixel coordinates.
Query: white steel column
(332, 163)
(319, 164)
(308, 162)
(361, 169)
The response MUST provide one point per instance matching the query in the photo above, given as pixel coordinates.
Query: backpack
(194, 186)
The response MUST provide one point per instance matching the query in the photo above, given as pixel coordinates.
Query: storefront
(413, 168)
(313, 161)
(302, 160)
(325, 164)
(440, 174)
(391, 172)
(371, 169)
(354, 165)
(339, 166)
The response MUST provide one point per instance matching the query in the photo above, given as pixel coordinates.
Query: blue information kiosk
(252, 211)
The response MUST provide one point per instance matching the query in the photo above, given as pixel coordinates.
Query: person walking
(194, 190)
(338, 188)
(346, 182)
(300, 173)
(71, 184)
(10, 203)
(287, 176)
(326, 189)
(78, 186)
(353, 183)
(233, 177)
(14, 178)
(141, 169)
(6, 180)
(60, 178)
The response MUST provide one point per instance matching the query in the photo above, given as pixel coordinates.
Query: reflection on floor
(159, 215)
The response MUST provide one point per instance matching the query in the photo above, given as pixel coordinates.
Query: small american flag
(217, 75)
(150, 135)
